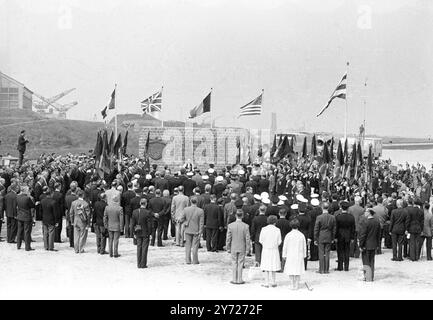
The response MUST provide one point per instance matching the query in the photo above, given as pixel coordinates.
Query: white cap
(211, 170)
(257, 197)
(314, 195)
(190, 174)
(148, 177)
(282, 198)
(280, 203)
(219, 179)
(205, 177)
(294, 206)
(241, 172)
(266, 201)
(300, 198)
(315, 202)
(304, 200)
(264, 195)
(137, 176)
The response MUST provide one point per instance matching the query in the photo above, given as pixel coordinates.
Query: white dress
(294, 250)
(270, 238)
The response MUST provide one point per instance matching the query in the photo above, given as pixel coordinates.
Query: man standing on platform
(22, 145)
(238, 245)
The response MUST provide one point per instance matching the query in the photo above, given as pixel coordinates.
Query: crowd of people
(284, 214)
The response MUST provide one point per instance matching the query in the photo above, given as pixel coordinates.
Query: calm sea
(400, 156)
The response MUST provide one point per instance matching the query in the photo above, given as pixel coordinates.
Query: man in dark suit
(141, 226)
(60, 211)
(22, 145)
(49, 220)
(157, 206)
(284, 225)
(397, 230)
(324, 235)
(167, 216)
(213, 222)
(258, 223)
(24, 218)
(98, 223)
(238, 244)
(69, 199)
(189, 185)
(345, 233)
(314, 212)
(414, 227)
(127, 196)
(10, 202)
(369, 241)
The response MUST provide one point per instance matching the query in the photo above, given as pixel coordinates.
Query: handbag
(255, 273)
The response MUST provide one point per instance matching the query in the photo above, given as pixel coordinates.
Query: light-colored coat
(111, 194)
(74, 213)
(270, 238)
(238, 237)
(113, 218)
(194, 220)
(178, 204)
(294, 251)
(428, 224)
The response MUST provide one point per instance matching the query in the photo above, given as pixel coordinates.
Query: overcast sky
(295, 50)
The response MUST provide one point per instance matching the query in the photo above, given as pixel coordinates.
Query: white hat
(294, 206)
(280, 203)
(137, 176)
(358, 198)
(257, 197)
(315, 202)
(219, 179)
(190, 174)
(282, 198)
(148, 177)
(300, 198)
(304, 200)
(314, 195)
(264, 195)
(241, 172)
(266, 201)
(211, 170)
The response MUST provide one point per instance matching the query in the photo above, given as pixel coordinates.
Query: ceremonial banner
(339, 92)
(202, 107)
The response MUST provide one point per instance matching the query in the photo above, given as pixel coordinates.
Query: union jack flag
(153, 103)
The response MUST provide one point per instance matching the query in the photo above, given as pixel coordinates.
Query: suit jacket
(345, 227)
(357, 211)
(60, 204)
(213, 216)
(127, 196)
(74, 213)
(194, 219)
(258, 223)
(22, 144)
(113, 218)
(189, 185)
(370, 234)
(157, 205)
(24, 208)
(398, 221)
(415, 220)
(144, 218)
(325, 228)
(178, 204)
(11, 204)
(238, 237)
(98, 213)
(284, 226)
(49, 213)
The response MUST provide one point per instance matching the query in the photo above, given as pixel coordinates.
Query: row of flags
(254, 108)
(108, 149)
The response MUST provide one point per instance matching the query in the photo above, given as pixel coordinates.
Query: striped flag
(112, 103)
(202, 107)
(153, 103)
(254, 108)
(340, 92)
(104, 113)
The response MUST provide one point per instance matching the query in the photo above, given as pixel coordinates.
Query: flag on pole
(339, 92)
(117, 146)
(112, 103)
(203, 107)
(104, 113)
(254, 108)
(146, 152)
(340, 154)
(314, 146)
(153, 103)
(125, 143)
(304, 148)
(331, 149)
(111, 144)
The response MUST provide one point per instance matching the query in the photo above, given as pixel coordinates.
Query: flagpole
(345, 116)
(115, 110)
(211, 110)
(162, 121)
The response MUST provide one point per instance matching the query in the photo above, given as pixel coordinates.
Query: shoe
(242, 282)
(12, 242)
(104, 252)
(274, 285)
(31, 249)
(117, 256)
(111, 256)
(393, 259)
(265, 285)
(321, 272)
(54, 250)
(160, 245)
(336, 269)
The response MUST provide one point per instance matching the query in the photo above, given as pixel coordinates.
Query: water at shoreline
(400, 156)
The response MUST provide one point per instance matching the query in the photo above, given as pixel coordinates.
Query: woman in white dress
(270, 238)
(294, 253)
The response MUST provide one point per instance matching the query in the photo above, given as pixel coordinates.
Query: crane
(45, 103)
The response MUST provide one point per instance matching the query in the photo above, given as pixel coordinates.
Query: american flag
(254, 108)
(153, 103)
(340, 92)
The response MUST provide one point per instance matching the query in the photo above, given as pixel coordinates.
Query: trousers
(142, 249)
(397, 246)
(238, 260)
(58, 232)
(211, 239)
(11, 229)
(258, 252)
(324, 250)
(180, 228)
(354, 247)
(414, 241)
(113, 242)
(128, 233)
(343, 250)
(368, 260)
(192, 242)
(101, 239)
(80, 238)
(24, 233)
(48, 235)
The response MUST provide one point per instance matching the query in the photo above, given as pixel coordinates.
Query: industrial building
(13, 94)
